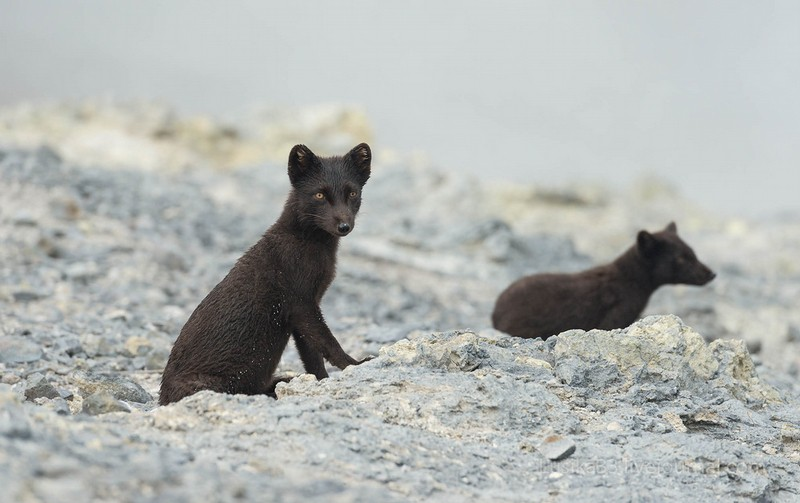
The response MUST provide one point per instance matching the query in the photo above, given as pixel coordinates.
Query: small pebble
(675, 421)
(39, 387)
(10, 379)
(556, 447)
(769, 449)
(103, 402)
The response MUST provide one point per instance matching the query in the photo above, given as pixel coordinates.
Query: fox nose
(343, 228)
(709, 275)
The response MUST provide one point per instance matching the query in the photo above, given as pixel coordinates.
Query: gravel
(101, 263)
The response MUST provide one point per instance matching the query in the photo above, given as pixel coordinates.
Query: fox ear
(301, 161)
(671, 227)
(647, 244)
(361, 159)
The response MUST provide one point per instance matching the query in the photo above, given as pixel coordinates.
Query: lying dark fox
(605, 297)
(234, 339)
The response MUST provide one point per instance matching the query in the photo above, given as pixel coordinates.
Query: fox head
(327, 190)
(670, 259)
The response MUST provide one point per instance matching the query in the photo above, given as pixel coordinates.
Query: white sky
(703, 94)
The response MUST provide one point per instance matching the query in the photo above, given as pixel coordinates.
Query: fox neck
(634, 269)
(292, 221)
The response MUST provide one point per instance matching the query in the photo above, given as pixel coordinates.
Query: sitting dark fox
(605, 297)
(234, 339)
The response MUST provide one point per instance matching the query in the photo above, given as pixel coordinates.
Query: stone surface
(103, 402)
(38, 387)
(112, 232)
(556, 447)
(115, 385)
(14, 423)
(19, 350)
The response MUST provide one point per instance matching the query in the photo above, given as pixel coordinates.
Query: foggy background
(702, 94)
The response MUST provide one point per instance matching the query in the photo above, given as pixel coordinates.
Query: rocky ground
(116, 221)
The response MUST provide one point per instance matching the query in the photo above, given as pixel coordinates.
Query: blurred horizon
(700, 94)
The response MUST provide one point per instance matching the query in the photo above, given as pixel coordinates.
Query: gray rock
(657, 357)
(38, 387)
(82, 271)
(10, 379)
(57, 405)
(28, 295)
(793, 333)
(117, 386)
(171, 260)
(556, 447)
(103, 402)
(14, 423)
(450, 410)
(156, 360)
(69, 345)
(14, 349)
(23, 218)
(100, 345)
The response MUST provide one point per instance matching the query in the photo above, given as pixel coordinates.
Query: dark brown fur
(234, 339)
(605, 297)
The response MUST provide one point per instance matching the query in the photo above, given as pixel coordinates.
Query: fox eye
(319, 196)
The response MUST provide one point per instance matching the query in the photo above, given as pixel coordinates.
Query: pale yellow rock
(137, 345)
(533, 362)
(675, 421)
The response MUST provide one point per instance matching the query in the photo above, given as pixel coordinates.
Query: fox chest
(308, 278)
(621, 307)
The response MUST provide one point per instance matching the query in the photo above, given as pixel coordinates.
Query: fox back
(234, 339)
(605, 297)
